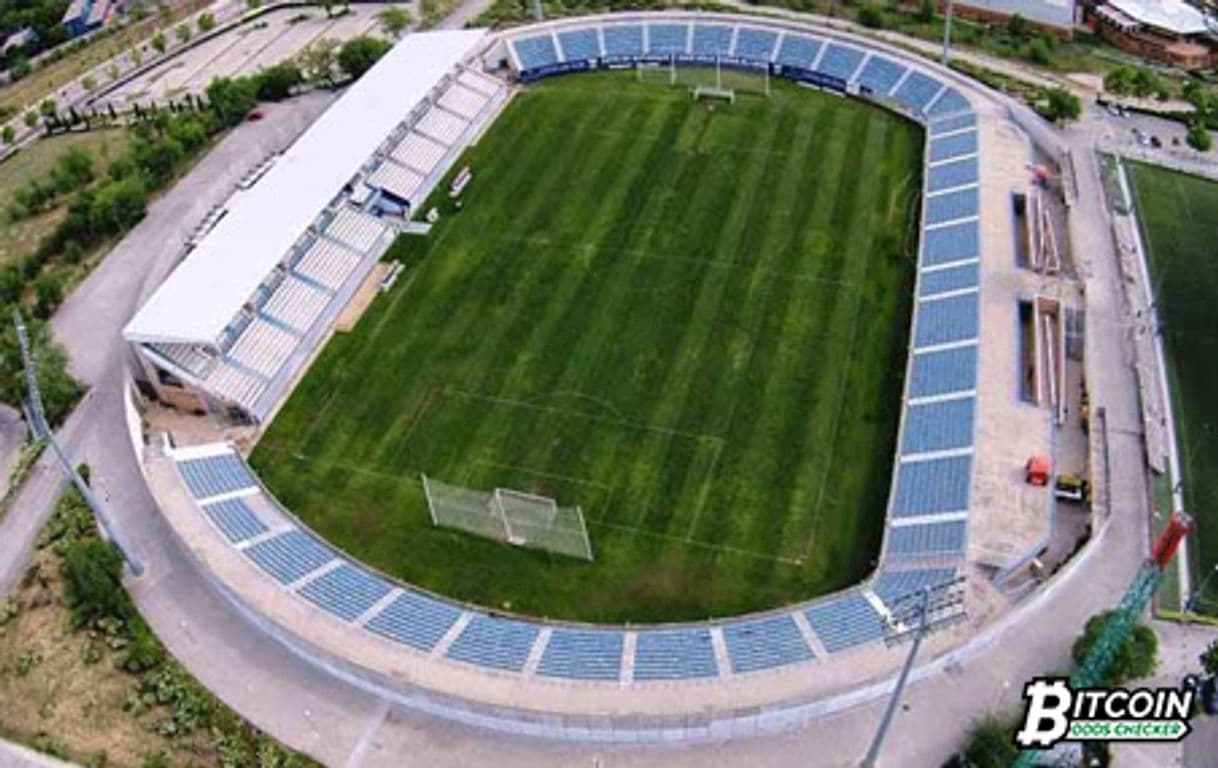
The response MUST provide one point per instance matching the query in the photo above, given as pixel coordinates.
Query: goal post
(511, 516)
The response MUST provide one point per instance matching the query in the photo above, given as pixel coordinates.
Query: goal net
(515, 517)
(706, 79)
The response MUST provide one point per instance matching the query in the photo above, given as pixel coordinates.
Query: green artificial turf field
(1179, 219)
(688, 318)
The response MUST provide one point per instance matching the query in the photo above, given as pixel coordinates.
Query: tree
(88, 83)
(72, 169)
(48, 293)
(182, 32)
(317, 62)
(30, 118)
(395, 20)
(8, 134)
(1038, 52)
(1209, 659)
(359, 54)
(92, 570)
(207, 22)
(117, 205)
(1117, 80)
(276, 83)
(232, 99)
(1017, 26)
(990, 745)
(926, 11)
(159, 42)
(1135, 658)
(871, 17)
(1199, 138)
(47, 108)
(1061, 106)
(59, 390)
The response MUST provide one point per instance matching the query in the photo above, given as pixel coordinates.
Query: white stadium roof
(1172, 15)
(207, 290)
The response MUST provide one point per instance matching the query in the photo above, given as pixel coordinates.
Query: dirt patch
(61, 690)
(362, 299)
(97, 688)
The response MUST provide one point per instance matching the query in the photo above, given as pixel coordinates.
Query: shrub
(1135, 658)
(92, 570)
(207, 22)
(871, 17)
(48, 293)
(358, 54)
(1199, 138)
(1209, 659)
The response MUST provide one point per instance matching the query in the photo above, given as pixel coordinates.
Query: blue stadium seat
(489, 641)
(945, 321)
(798, 51)
(950, 279)
(290, 555)
(880, 74)
(926, 539)
(235, 519)
(755, 44)
(949, 103)
(839, 61)
(665, 39)
(892, 585)
(674, 654)
(712, 40)
(537, 51)
(579, 44)
(623, 40)
(347, 591)
(415, 619)
(943, 371)
(952, 242)
(954, 174)
(213, 475)
(765, 643)
(932, 487)
(953, 205)
(956, 145)
(951, 124)
(938, 426)
(845, 621)
(579, 654)
(917, 91)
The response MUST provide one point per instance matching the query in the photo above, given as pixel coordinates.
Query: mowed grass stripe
(644, 308)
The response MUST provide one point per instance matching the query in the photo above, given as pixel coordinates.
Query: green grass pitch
(688, 318)
(1179, 219)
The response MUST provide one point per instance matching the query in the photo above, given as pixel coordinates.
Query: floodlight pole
(947, 32)
(873, 752)
(42, 431)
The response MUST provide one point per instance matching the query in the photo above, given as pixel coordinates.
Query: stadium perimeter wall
(699, 721)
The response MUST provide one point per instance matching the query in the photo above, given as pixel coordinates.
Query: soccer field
(688, 318)
(1179, 219)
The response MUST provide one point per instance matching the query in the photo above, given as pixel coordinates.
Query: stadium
(742, 318)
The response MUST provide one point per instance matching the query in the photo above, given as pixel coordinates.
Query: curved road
(342, 725)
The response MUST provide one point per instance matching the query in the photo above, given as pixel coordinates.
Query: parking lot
(275, 37)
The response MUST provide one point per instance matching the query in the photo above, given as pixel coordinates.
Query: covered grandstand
(244, 312)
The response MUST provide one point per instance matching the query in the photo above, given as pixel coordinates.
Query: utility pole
(937, 606)
(42, 431)
(947, 32)
(538, 13)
